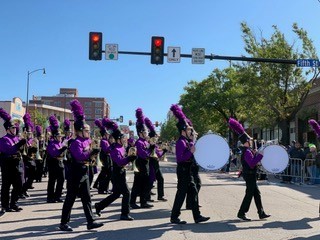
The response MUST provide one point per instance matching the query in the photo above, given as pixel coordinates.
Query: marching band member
(117, 153)
(40, 157)
(184, 155)
(78, 182)
(154, 161)
(141, 175)
(29, 158)
(66, 140)
(104, 177)
(11, 165)
(249, 161)
(55, 152)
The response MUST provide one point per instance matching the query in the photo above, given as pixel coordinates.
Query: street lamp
(29, 73)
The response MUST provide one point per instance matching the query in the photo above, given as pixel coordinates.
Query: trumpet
(132, 151)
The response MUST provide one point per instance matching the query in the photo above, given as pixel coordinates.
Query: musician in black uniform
(249, 160)
(11, 165)
(117, 153)
(184, 156)
(78, 182)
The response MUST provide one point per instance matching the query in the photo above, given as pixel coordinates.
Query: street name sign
(308, 63)
(198, 55)
(111, 51)
(173, 55)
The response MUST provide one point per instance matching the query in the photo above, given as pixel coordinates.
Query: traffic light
(95, 45)
(121, 119)
(157, 50)
(156, 123)
(130, 123)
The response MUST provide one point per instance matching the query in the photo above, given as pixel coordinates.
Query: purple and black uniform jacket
(80, 150)
(10, 154)
(105, 152)
(117, 154)
(183, 153)
(249, 160)
(143, 154)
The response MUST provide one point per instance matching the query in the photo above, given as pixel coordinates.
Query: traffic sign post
(198, 55)
(308, 63)
(111, 51)
(173, 55)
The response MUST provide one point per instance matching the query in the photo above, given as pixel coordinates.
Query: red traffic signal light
(157, 50)
(95, 45)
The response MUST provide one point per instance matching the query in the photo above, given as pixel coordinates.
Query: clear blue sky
(54, 34)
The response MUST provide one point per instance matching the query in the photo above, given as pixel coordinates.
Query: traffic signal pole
(218, 57)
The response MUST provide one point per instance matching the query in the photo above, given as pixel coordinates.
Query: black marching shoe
(201, 219)
(263, 215)
(16, 208)
(94, 225)
(134, 206)
(146, 205)
(243, 217)
(58, 200)
(65, 227)
(177, 221)
(126, 218)
(162, 199)
(98, 210)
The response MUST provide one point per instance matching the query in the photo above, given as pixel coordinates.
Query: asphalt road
(294, 210)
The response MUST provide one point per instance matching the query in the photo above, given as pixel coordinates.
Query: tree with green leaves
(275, 92)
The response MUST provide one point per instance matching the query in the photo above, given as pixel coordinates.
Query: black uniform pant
(252, 191)
(103, 179)
(78, 184)
(185, 184)
(197, 181)
(39, 170)
(55, 182)
(140, 187)
(119, 187)
(10, 176)
(154, 163)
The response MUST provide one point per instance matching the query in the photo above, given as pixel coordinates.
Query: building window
(98, 104)
(87, 104)
(87, 110)
(47, 102)
(98, 111)
(57, 104)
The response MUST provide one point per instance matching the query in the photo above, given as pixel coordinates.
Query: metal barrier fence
(298, 171)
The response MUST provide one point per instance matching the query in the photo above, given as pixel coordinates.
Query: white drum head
(212, 152)
(275, 159)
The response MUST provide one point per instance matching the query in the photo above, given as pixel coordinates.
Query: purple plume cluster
(140, 117)
(4, 115)
(177, 112)
(236, 126)
(27, 122)
(54, 124)
(315, 126)
(77, 110)
(66, 124)
(109, 124)
(38, 130)
(149, 125)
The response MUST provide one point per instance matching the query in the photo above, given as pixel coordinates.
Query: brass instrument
(153, 141)
(38, 156)
(132, 151)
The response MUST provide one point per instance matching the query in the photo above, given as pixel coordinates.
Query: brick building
(94, 107)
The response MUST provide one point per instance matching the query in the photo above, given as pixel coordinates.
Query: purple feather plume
(149, 125)
(38, 130)
(27, 122)
(236, 126)
(177, 112)
(4, 115)
(315, 126)
(109, 124)
(77, 110)
(54, 124)
(140, 117)
(67, 123)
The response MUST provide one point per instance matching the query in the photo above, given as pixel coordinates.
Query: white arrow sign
(173, 55)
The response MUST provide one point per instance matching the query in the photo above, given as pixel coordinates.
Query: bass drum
(275, 159)
(212, 152)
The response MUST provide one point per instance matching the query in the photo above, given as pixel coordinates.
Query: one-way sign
(173, 55)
